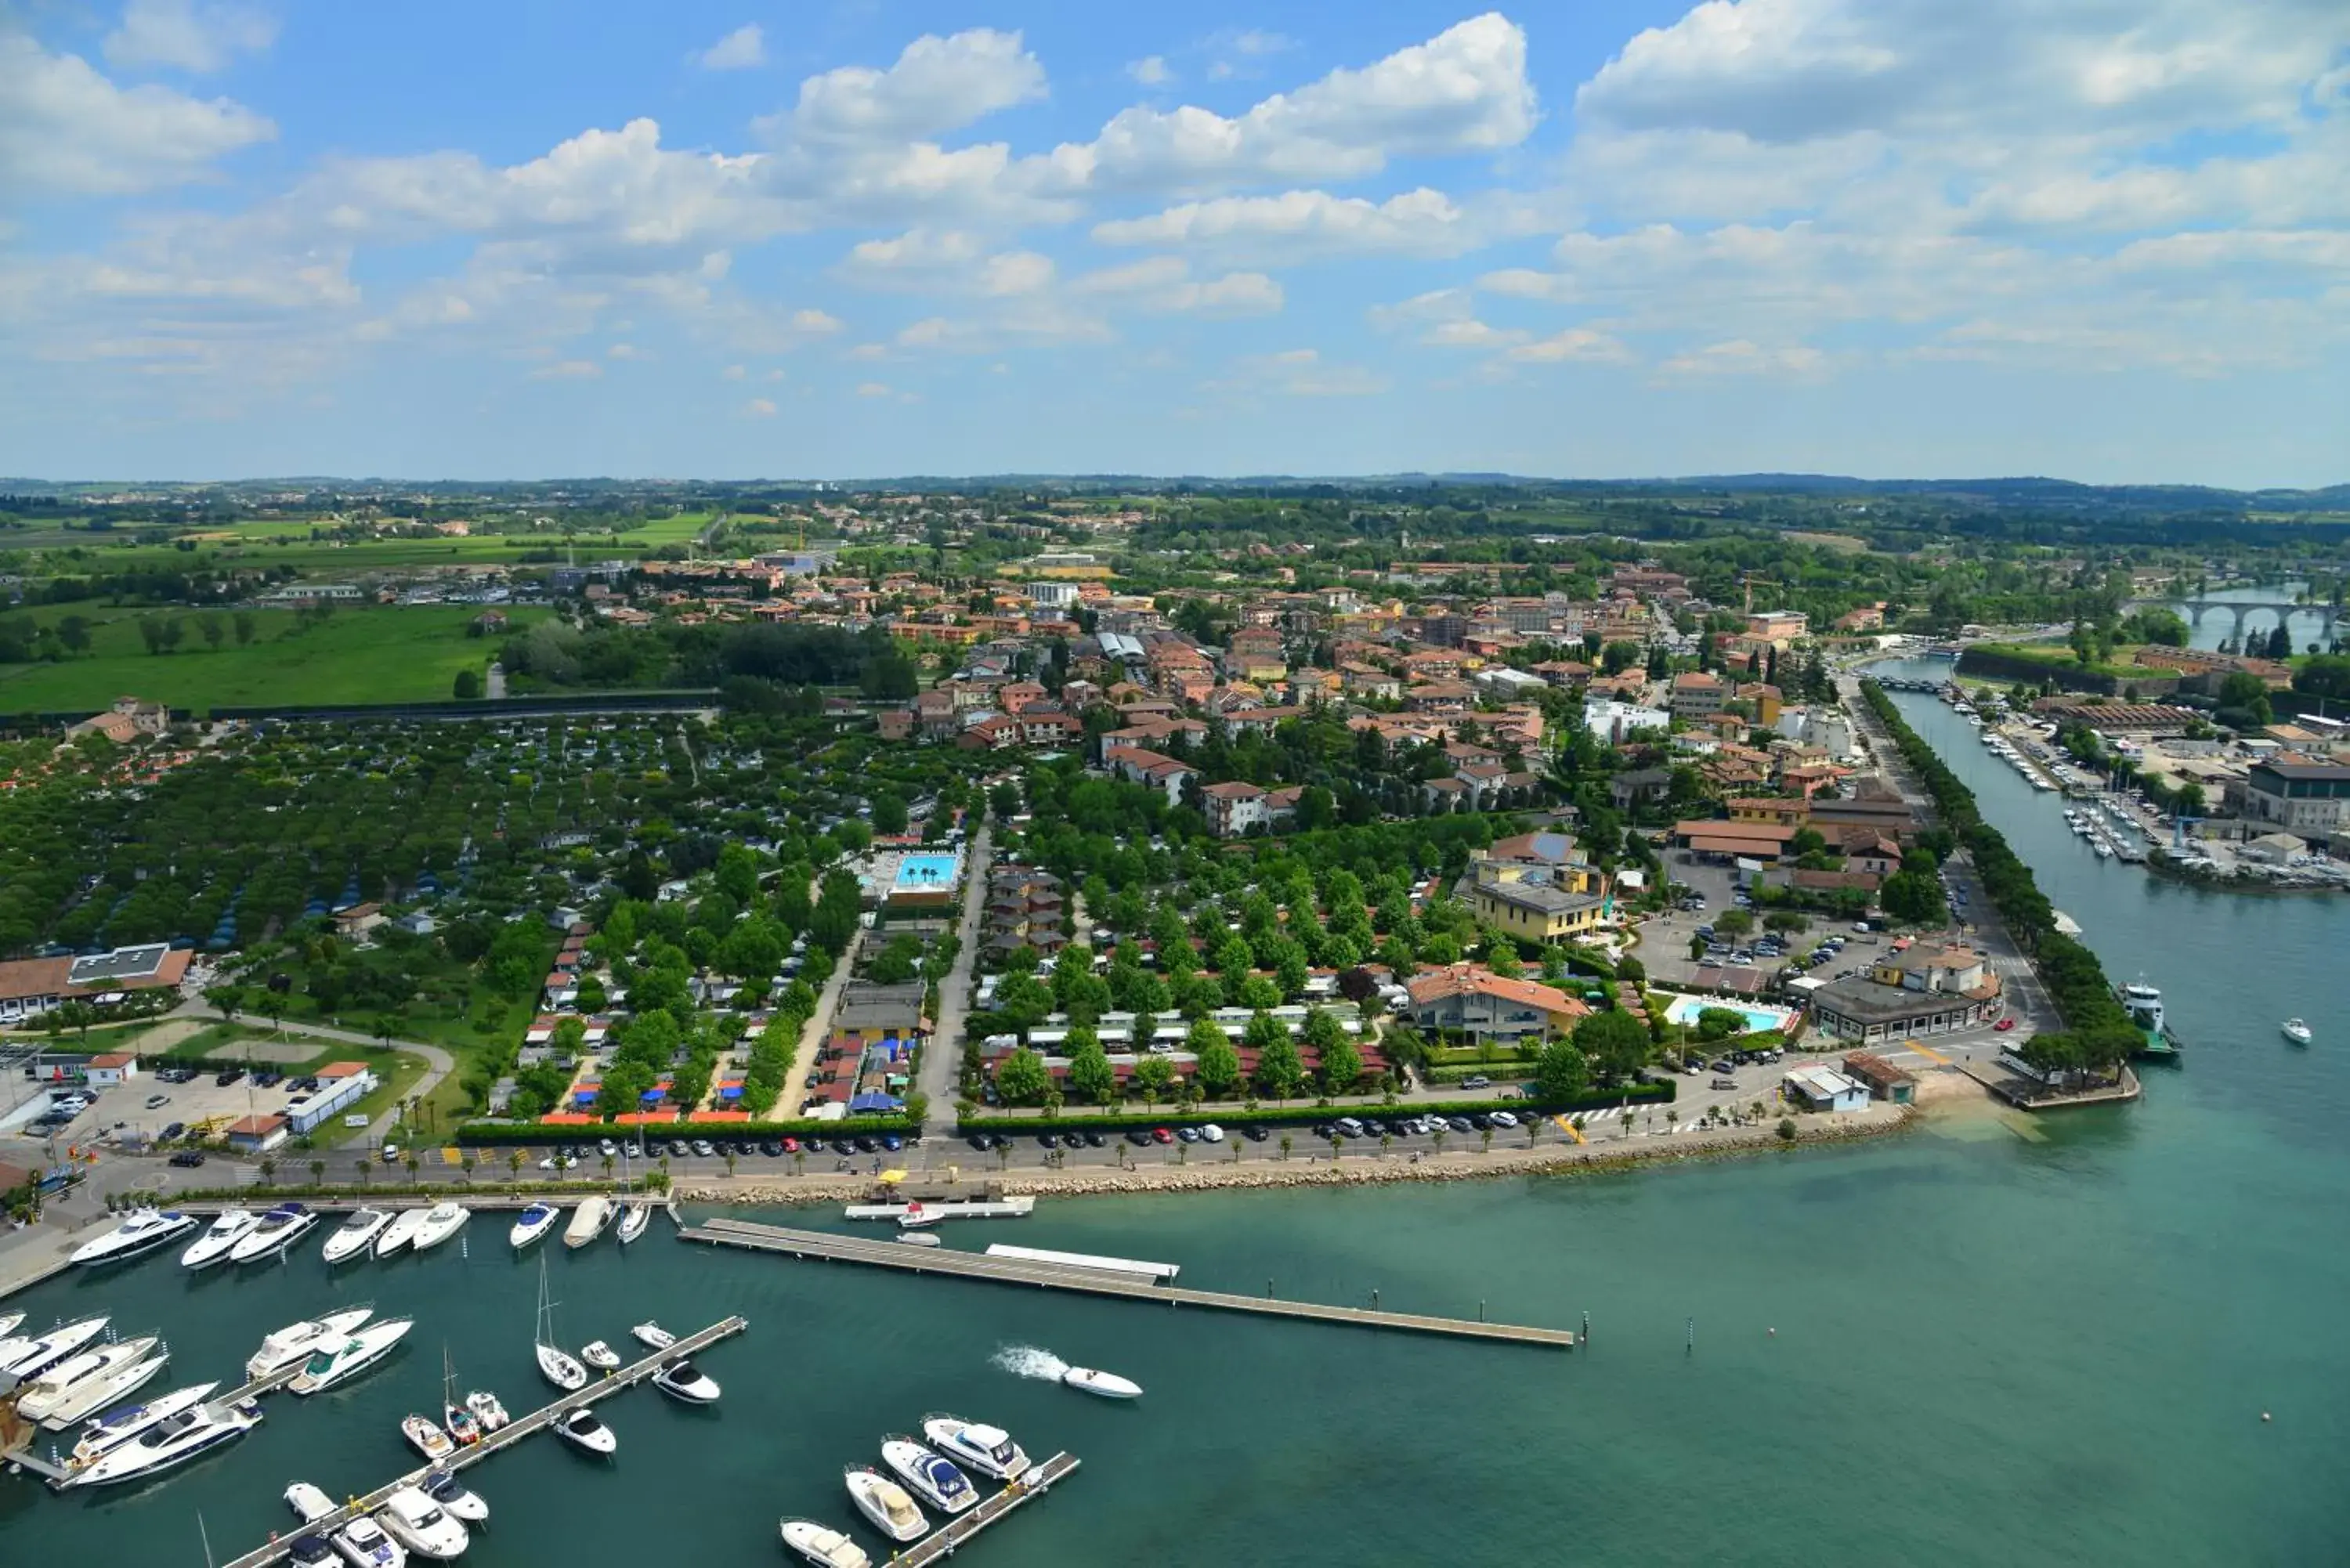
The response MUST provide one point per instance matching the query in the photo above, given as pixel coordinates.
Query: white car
(1502, 1119)
(557, 1162)
(1211, 1133)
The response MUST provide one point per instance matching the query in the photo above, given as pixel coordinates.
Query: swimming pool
(1685, 1008)
(920, 872)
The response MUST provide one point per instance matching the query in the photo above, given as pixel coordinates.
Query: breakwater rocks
(1303, 1169)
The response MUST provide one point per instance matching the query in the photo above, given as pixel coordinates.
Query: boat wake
(1031, 1361)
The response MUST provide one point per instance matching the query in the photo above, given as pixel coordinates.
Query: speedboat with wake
(357, 1236)
(364, 1545)
(823, 1545)
(452, 1495)
(589, 1220)
(421, 1525)
(928, 1474)
(102, 1389)
(1101, 1385)
(229, 1227)
(634, 1222)
(340, 1361)
(402, 1230)
(531, 1224)
(48, 1395)
(278, 1231)
(885, 1502)
(581, 1429)
(987, 1449)
(33, 1355)
(684, 1381)
(171, 1442)
(110, 1431)
(440, 1221)
(141, 1233)
(296, 1340)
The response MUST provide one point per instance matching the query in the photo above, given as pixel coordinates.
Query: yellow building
(1535, 913)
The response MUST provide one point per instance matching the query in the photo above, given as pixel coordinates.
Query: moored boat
(139, 1234)
(599, 1355)
(425, 1435)
(308, 1503)
(557, 1364)
(68, 1380)
(534, 1222)
(633, 1224)
(171, 1442)
(364, 1545)
(2295, 1031)
(8, 1322)
(97, 1393)
(885, 1503)
(823, 1545)
(29, 1356)
(278, 1231)
(116, 1428)
(580, 1428)
(229, 1227)
(355, 1236)
(423, 1525)
(928, 1474)
(588, 1221)
(452, 1495)
(488, 1409)
(340, 1360)
(295, 1342)
(456, 1416)
(653, 1335)
(440, 1221)
(396, 1237)
(681, 1379)
(987, 1449)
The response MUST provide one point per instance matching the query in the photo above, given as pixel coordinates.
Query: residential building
(1697, 694)
(1469, 999)
(1535, 913)
(1233, 807)
(1777, 627)
(1614, 721)
(1138, 766)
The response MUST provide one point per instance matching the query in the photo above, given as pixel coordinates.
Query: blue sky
(2108, 240)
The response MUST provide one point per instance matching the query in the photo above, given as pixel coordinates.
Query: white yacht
(823, 1545)
(987, 1449)
(116, 1428)
(364, 1545)
(2143, 1002)
(653, 1337)
(2295, 1031)
(296, 1340)
(557, 1364)
(278, 1231)
(488, 1409)
(441, 1222)
(48, 1395)
(229, 1227)
(453, 1496)
(421, 1525)
(308, 1503)
(402, 1230)
(928, 1474)
(357, 1236)
(425, 1435)
(340, 1360)
(171, 1442)
(589, 1220)
(885, 1502)
(599, 1355)
(634, 1222)
(96, 1393)
(8, 1322)
(533, 1223)
(142, 1233)
(32, 1354)
(583, 1431)
(1102, 1385)
(681, 1380)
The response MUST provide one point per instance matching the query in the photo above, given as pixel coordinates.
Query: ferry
(2143, 1002)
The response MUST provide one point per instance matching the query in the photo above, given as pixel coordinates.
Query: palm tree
(318, 1173)
(268, 1169)
(1386, 1141)
(1672, 1116)
(731, 1157)
(1438, 1138)
(414, 1165)
(1285, 1146)
(514, 1165)
(466, 1162)
(367, 1173)
(799, 1162)
(1533, 1131)
(607, 1166)
(1488, 1136)
(1336, 1143)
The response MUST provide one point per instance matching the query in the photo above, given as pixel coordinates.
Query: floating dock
(1158, 1273)
(514, 1431)
(958, 1531)
(742, 1234)
(1007, 1208)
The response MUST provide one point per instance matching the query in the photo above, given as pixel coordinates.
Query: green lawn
(372, 655)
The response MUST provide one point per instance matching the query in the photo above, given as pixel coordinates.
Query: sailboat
(455, 1414)
(559, 1365)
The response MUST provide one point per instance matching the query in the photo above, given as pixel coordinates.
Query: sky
(2106, 240)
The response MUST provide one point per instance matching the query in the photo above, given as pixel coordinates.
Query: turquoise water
(927, 871)
(1685, 1010)
(2050, 1345)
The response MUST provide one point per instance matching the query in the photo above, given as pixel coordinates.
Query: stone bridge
(2242, 616)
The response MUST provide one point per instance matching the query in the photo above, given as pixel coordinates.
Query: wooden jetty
(743, 1233)
(506, 1436)
(1032, 1483)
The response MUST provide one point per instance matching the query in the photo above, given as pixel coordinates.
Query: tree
(210, 625)
(1090, 1074)
(318, 1173)
(1734, 922)
(1614, 1043)
(74, 632)
(1913, 897)
(1153, 1076)
(467, 687)
(1561, 1073)
(1022, 1077)
(1279, 1070)
(1219, 1065)
(243, 622)
(1341, 1064)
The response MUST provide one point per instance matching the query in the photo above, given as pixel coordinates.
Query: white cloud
(568, 370)
(1300, 373)
(872, 389)
(1306, 222)
(625, 351)
(1741, 358)
(736, 373)
(760, 408)
(1163, 286)
(184, 35)
(1150, 70)
(1577, 343)
(64, 127)
(740, 50)
(936, 84)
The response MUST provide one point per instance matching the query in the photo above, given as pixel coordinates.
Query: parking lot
(152, 1105)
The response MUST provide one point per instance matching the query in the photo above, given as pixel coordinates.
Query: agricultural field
(408, 654)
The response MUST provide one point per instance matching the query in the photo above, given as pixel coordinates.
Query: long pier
(743, 1233)
(506, 1436)
(1033, 1484)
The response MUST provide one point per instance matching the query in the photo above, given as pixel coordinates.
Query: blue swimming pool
(916, 872)
(1685, 1008)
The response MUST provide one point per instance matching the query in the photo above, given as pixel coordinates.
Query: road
(936, 1075)
(439, 1063)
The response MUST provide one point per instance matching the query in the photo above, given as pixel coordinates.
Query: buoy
(1773, 1333)
(2264, 1414)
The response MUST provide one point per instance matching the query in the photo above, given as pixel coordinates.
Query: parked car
(1725, 1083)
(2004, 1024)
(1188, 1135)
(1138, 1137)
(1504, 1119)
(157, 1102)
(1255, 1133)
(1477, 1081)
(174, 1130)
(1161, 1135)
(188, 1158)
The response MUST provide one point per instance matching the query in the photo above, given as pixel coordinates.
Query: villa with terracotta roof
(1469, 999)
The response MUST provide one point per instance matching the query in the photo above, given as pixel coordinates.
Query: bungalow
(257, 1134)
(1826, 1089)
(1886, 1081)
(112, 1068)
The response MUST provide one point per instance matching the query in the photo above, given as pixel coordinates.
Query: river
(2306, 626)
(1995, 1343)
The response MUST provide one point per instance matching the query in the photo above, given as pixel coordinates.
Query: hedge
(499, 1134)
(1653, 1090)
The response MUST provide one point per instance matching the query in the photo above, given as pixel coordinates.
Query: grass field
(287, 543)
(375, 655)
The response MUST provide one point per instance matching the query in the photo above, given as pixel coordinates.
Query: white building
(342, 1084)
(1614, 722)
(1826, 1089)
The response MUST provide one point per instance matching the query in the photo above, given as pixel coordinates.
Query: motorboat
(171, 1442)
(885, 1502)
(452, 1495)
(488, 1409)
(823, 1545)
(364, 1545)
(682, 1379)
(581, 1429)
(141, 1233)
(916, 1237)
(296, 1340)
(357, 1236)
(70, 1380)
(310, 1504)
(229, 1227)
(423, 1525)
(33, 1355)
(278, 1231)
(2143, 1002)
(928, 1474)
(440, 1221)
(532, 1224)
(425, 1435)
(557, 1364)
(8, 1322)
(97, 1393)
(2295, 1031)
(599, 1355)
(340, 1360)
(987, 1449)
(633, 1224)
(1105, 1384)
(653, 1337)
(402, 1230)
(917, 1218)
(312, 1552)
(463, 1427)
(589, 1220)
(116, 1428)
